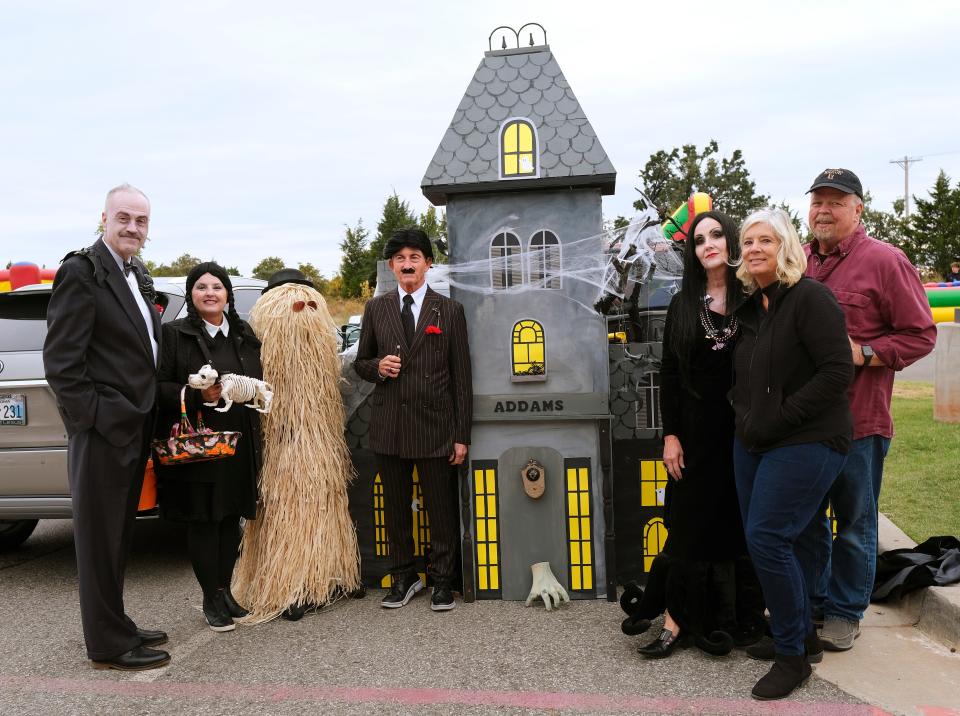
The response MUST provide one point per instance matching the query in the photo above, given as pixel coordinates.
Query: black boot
(764, 650)
(295, 612)
(215, 611)
(234, 609)
(786, 674)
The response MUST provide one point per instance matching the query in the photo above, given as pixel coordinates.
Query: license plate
(13, 409)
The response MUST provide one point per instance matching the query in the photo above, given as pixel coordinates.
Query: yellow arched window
(529, 352)
(518, 154)
(654, 537)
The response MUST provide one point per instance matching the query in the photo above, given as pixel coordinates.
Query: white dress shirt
(417, 301)
(139, 299)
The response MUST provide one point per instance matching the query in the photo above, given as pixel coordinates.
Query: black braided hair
(217, 271)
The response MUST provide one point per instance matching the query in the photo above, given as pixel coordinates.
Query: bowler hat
(841, 179)
(287, 275)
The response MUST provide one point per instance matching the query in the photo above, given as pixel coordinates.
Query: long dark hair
(219, 272)
(686, 315)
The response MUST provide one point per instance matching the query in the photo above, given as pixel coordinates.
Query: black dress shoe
(140, 658)
(661, 647)
(442, 598)
(233, 609)
(405, 587)
(151, 638)
(786, 674)
(215, 611)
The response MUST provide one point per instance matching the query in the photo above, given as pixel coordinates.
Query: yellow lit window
(518, 156)
(528, 357)
(654, 537)
(653, 481)
(486, 529)
(579, 532)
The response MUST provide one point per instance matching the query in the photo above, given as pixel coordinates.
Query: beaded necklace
(722, 335)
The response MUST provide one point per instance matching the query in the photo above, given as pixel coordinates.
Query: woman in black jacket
(792, 366)
(210, 497)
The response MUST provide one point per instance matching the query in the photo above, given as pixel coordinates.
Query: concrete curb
(937, 608)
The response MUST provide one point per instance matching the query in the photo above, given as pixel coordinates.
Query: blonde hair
(791, 261)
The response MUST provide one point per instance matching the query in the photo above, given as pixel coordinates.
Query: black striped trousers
(438, 482)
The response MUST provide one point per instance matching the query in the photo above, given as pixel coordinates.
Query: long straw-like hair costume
(302, 548)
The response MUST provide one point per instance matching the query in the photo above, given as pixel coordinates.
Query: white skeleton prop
(256, 394)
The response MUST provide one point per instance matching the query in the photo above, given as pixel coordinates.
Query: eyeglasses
(300, 305)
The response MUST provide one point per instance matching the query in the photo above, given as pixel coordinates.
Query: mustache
(408, 270)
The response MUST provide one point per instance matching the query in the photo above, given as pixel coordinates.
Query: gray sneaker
(838, 634)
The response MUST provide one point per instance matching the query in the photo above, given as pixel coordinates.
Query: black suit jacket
(97, 355)
(429, 406)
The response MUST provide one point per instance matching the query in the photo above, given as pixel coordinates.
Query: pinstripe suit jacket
(429, 406)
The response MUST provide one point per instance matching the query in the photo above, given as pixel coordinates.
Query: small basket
(186, 445)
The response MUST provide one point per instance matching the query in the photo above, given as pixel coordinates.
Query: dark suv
(33, 442)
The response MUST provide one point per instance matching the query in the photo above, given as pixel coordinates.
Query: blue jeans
(779, 492)
(839, 572)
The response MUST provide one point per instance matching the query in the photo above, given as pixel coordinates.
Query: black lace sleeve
(670, 387)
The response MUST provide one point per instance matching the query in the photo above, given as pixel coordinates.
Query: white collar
(417, 295)
(116, 256)
(213, 330)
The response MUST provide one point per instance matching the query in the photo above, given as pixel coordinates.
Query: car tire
(14, 533)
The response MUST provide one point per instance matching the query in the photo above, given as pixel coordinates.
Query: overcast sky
(261, 129)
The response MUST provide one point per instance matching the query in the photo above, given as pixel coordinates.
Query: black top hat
(287, 275)
(842, 179)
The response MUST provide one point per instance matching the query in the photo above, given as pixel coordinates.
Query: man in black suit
(413, 345)
(100, 358)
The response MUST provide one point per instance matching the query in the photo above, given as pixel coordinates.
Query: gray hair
(123, 187)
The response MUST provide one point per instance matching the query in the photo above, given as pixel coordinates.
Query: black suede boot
(786, 674)
(764, 649)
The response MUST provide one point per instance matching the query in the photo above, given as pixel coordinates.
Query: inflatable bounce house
(944, 298)
(24, 274)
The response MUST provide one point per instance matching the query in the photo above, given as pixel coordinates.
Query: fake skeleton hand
(546, 586)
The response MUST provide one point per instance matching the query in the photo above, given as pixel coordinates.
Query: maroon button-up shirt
(886, 308)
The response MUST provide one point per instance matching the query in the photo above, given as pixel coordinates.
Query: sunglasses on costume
(300, 305)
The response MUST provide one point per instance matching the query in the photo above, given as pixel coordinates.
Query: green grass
(921, 475)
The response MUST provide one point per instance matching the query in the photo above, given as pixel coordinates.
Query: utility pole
(905, 164)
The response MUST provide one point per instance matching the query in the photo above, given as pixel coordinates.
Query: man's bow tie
(128, 267)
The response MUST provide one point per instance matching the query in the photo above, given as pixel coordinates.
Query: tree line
(930, 238)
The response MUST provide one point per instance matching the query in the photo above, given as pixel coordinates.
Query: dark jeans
(780, 491)
(839, 572)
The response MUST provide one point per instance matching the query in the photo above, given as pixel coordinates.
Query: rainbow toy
(678, 225)
(24, 273)
(944, 299)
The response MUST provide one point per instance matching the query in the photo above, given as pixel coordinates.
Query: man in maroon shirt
(890, 326)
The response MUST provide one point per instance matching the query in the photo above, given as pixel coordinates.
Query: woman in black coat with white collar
(210, 497)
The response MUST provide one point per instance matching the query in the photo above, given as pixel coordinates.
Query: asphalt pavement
(354, 657)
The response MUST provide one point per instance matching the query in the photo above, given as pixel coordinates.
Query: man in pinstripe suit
(413, 345)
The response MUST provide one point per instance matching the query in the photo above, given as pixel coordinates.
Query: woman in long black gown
(210, 497)
(703, 580)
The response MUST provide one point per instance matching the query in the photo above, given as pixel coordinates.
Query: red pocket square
(433, 331)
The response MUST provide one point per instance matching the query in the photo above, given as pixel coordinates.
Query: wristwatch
(867, 354)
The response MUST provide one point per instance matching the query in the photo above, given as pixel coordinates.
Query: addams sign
(529, 406)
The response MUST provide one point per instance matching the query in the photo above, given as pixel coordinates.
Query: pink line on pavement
(538, 700)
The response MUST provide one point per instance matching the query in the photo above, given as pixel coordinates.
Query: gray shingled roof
(528, 83)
